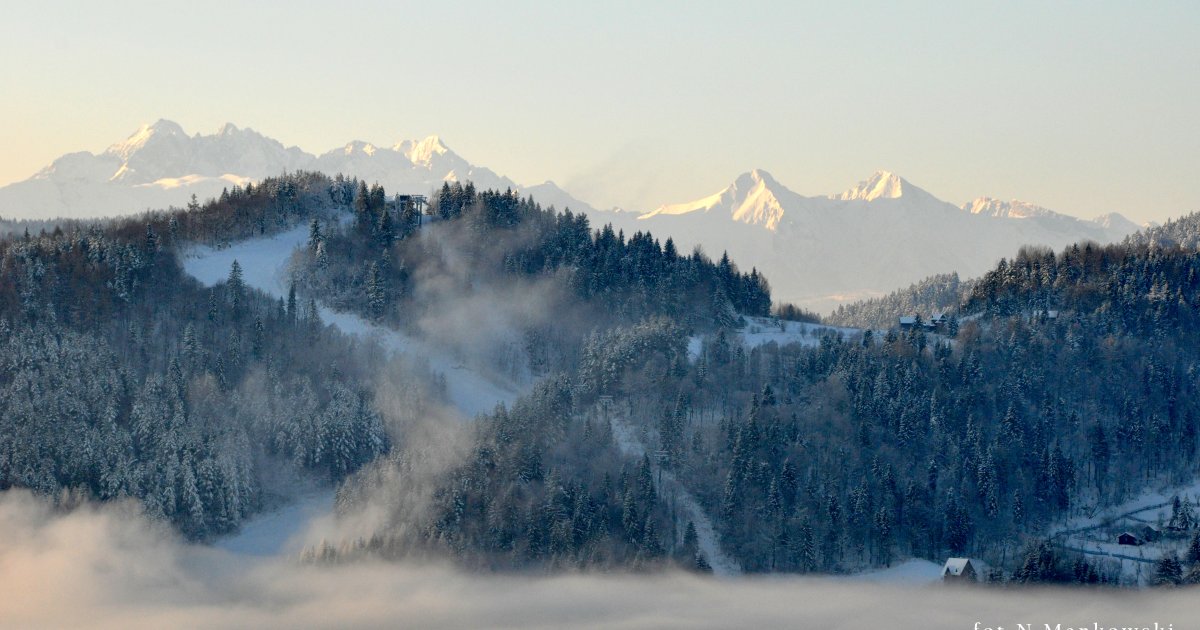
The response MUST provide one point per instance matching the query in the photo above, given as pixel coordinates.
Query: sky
(1083, 107)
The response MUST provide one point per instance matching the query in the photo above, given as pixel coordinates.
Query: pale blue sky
(1084, 107)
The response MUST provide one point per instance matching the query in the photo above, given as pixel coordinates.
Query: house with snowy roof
(959, 570)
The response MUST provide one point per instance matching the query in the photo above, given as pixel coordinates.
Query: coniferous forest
(1065, 382)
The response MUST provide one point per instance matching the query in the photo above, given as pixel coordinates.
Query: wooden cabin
(1129, 538)
(959, 570)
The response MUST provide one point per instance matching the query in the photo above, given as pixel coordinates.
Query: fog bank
(108, 567)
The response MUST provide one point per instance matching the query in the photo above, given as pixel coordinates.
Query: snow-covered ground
(1149, 505)
(264, 264)
(911, 571)
(279, 531)
(706, 536)
(763, 330)
(1095, 533)
(263, 260)
(760, 331)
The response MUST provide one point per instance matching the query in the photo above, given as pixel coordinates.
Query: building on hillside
(1149, 534)
(1129, 538)
(959, 570)
(1042, 314)
(907, 322)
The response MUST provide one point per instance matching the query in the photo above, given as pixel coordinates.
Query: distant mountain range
(161, 165)
(877, 236)
(816, 251)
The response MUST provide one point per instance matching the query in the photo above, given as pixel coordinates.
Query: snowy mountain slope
(878, 235)
(160, 165)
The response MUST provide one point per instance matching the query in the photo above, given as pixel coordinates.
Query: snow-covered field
(1142, 502)
(763, 330)
(760, 331)
(911, 571)
(1095, 534)
(279, 531)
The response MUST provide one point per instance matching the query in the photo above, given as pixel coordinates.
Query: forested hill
(121, 376)
(1182, 232)
(946, 292)
(1130, 289)
(935, 294)
(373, 264)
(1070, 385)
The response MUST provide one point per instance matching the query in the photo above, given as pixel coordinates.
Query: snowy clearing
(1147, 506)
(911, 571)
(1096, 534)
(760, 331)
(279, 531)
(763, 330)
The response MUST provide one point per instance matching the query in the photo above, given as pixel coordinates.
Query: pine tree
(314, 235)
(691, 541)
(377, 296)
(1193, 552)
(385, 233)
(292, 313)
(1168, 571)
(236, 288)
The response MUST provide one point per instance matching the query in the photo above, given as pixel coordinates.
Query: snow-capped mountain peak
(1118, 222)
(1014, 209)
(422, 152)
(358, 146)
(755, 197)
(160, 165)
(146, 135)
(819, 251)
(880, 185)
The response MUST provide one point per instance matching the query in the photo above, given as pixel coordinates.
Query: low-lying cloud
(108, 567)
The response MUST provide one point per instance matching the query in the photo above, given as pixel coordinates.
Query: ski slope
(264, 263)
